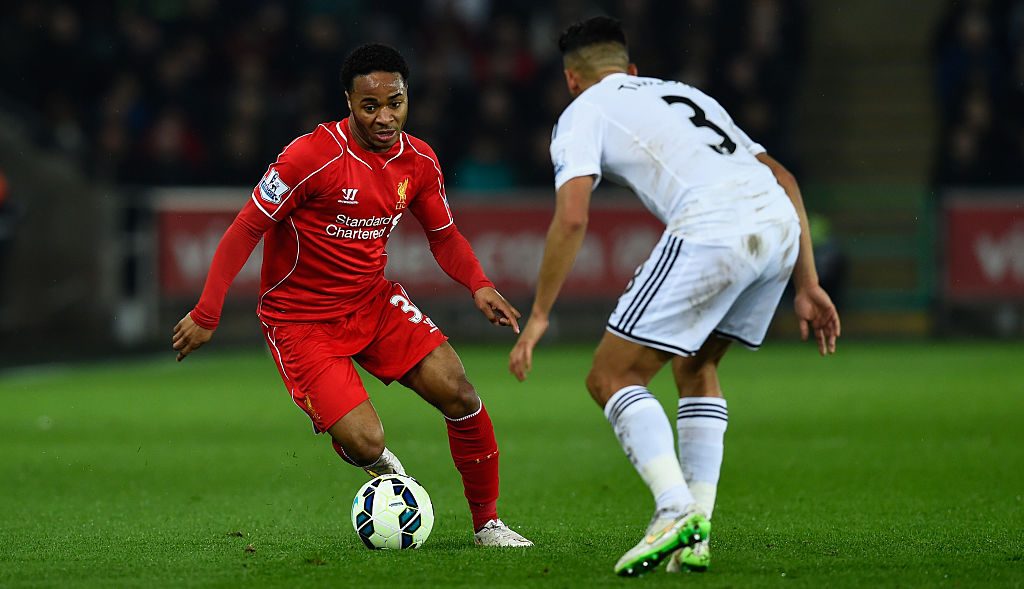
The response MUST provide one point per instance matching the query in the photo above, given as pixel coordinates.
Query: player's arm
(813, 306)
(285, 185)
(197, 326)
(455, 256)
(452, 251)
(564, 239)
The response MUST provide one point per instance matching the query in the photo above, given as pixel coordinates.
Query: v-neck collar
(371, 159)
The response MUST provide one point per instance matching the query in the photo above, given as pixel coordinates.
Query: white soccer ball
(392, 512)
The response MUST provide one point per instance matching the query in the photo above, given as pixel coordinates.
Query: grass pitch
(887, 465)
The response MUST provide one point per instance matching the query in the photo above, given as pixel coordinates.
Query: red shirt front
(326, 208)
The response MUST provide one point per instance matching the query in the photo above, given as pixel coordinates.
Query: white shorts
(686, 291)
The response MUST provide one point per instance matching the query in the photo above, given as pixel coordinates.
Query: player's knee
(599, 386)
(462, 401)
(364, 447)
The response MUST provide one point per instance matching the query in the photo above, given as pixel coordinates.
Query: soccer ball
(392, 512)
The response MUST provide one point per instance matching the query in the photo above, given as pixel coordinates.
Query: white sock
(702, 422)
(646, 437)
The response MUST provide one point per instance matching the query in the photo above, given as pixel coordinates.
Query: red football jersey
(325, 209)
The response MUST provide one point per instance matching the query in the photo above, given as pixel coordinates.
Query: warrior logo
(349, 196)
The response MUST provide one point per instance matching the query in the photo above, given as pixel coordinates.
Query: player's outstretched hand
(814, 310)
(497, 310)
(188, 337)
(520, 359)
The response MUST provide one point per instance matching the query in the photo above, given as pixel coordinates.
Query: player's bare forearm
(565, 237)
(804, 273)
(564, 240)
(814, 308)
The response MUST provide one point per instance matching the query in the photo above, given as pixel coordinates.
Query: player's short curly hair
(372, 57)
(593, 31)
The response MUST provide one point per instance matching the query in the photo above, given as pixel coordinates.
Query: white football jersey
(677, 149)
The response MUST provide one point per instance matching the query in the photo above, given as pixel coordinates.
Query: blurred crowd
(185, 92)
(979, 80)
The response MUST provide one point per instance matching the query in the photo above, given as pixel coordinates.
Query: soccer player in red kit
(325, 210)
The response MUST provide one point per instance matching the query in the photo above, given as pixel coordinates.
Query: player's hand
(188, 337)
(520, 359)
(497, 310)
(815, 311)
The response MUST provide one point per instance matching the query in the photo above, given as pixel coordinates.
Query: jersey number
(415, 315)
(406, 306)
(700, 119)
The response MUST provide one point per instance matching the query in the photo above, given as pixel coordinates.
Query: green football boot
(696, 558)
(664, 536)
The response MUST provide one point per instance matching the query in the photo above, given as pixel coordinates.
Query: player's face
(379, 109)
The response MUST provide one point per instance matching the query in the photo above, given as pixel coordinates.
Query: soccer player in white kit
(735, 230)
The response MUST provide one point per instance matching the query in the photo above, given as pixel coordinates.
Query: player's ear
(348, 101)
(572, 81)
(631, 70)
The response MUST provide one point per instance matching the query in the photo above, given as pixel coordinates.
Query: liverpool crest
(402, 187)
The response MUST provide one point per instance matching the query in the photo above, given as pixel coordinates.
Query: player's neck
(599, 75)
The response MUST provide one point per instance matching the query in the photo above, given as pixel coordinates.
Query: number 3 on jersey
(415, 315)
(700, 119)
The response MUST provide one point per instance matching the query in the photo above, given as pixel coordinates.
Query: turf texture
(888, 465)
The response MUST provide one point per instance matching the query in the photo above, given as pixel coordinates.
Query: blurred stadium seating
(877, 106)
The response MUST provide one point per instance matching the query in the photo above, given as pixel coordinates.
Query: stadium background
(121, 119)
(130, 131)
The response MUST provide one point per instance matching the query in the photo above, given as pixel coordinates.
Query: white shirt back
(677, 149)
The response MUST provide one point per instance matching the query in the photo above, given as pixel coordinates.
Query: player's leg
(358, 438)
(701, 423)
(674, 302)
(702, 419)
(440, 379)
(618, 383)
(408, 347)
(328, 389)
(703, 414)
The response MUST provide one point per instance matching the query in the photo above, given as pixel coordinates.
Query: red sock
(475, 453)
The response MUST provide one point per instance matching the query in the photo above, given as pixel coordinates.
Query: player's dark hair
(593, 31)
(372, 57)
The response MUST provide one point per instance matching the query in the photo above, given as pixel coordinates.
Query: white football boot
(388, 463)
(496, 533)
(665, 534)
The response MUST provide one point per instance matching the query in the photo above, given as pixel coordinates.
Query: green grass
(887, 465)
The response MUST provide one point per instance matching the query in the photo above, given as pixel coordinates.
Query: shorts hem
(678, 351)
(418, 358)
(328, 424)
(738, 339)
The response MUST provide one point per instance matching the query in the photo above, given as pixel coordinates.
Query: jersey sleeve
(430, 206)
(430, 202)
(576, 143)
(744, 140)
(233, 251)
(290, 180)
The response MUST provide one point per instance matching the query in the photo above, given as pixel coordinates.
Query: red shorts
(387, 337)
